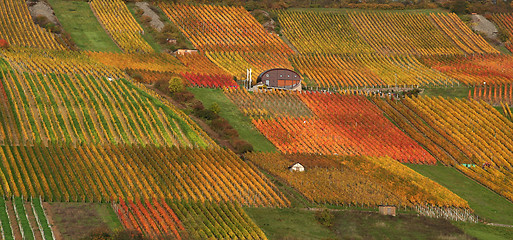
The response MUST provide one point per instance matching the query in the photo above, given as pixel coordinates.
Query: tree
(215, 108)
(176, 85)
(459, 6)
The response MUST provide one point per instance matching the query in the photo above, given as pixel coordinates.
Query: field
(404, 108)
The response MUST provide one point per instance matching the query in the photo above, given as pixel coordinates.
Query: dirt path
(16, 231)
(32, 221)
(155, 22)
(51, 222)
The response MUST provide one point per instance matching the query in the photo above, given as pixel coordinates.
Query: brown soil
(74, 220)
(48, 211)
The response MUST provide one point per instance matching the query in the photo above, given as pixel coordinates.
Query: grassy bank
(487, 204)
(231, 112)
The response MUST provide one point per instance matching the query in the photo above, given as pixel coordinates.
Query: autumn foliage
(357, 181)
(339, 124)
(481, 140)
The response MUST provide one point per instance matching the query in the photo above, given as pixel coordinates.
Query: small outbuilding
(185, 51)
(280, 78)
(297, 167)
(387, 210)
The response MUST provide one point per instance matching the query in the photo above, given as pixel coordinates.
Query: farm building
(387, 210)
(185, 51)
(280, 78)
(297, 167)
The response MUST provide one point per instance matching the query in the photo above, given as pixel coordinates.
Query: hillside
(106, 133)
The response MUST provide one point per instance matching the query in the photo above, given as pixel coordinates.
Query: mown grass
(486, 204)
(231, 112)
(79, 21)
(289, 223)
(371, 225)
(485, 232)
(294, 223)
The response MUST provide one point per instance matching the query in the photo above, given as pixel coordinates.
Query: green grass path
(231, 112)
(78, 20)
(487, 204)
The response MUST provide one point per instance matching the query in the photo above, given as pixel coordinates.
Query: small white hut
(297, 167)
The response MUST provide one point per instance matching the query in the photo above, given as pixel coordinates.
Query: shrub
(145, 19)
(214, 107)
(4, 43)
(325, 217)
(241, 146)
(219, 124)
(183, 96)
(197, 105)
(176, 85)
(206, 114)
(231, 133)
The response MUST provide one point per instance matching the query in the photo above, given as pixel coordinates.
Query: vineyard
(329, 71)
(102, 129)
(481, 141)
(79, 109)
(378, 180)
(223, 29)
(121, 25)
(230, 37)
(58, 62)
(17, 27)
(505, 22)
(338, 34)
(384, 33)
(341, 124)
(203, 220)
(191, 174)
(25, 220)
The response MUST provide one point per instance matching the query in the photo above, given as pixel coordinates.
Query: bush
(220, 124)
(183, 96)
(176, 85)
(231, 133)
(241, 146)
(325, 217)
(145, 19)
(215, 108)
(4, 43)
(206, 114)
(197, 105)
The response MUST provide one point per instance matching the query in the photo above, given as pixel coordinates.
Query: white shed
(297, 167)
